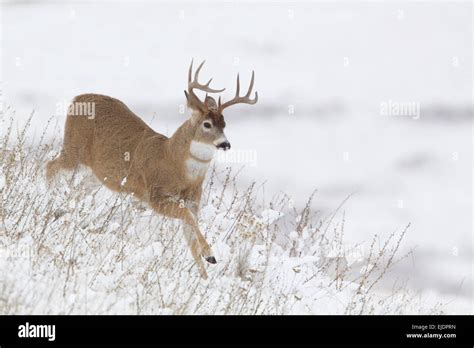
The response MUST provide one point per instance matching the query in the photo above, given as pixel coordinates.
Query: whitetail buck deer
(164, 172)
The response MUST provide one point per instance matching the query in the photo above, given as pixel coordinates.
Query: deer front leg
(194, 237)
(195, 248)
(191, 199)
(206, 250)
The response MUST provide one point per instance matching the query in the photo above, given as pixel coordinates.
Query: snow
(269, 216)
(123, 182)
(88, 260)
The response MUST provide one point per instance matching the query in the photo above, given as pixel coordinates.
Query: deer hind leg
(63, 161)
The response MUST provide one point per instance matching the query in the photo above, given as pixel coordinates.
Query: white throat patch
(202, 151)
(195, 169)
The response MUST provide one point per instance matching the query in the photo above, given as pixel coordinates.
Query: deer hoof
(211, 259)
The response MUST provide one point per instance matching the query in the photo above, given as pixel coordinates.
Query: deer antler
(240, 100)
(193, 99)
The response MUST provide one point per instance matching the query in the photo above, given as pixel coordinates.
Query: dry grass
(77, 248)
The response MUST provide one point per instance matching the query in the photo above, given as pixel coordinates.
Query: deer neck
(181, 140)
(195, 156)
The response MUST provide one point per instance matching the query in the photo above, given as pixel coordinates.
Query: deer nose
(224, 146)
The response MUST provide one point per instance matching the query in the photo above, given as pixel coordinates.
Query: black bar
(242, 330)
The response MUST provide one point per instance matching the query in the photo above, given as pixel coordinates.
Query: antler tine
(196, 74)
(238, 99)
(251, 85)
(193, 99)
(195, 83)
(190, 72)
(237, 90)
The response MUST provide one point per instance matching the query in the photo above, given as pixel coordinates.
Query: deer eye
(207, 124)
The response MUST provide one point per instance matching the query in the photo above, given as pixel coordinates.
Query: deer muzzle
(225, 145)
(222, 143)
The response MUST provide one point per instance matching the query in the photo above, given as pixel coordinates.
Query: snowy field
(331, 78)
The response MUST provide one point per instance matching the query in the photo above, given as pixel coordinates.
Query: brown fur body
(117, 144)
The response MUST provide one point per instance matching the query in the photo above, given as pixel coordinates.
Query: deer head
(207, 115)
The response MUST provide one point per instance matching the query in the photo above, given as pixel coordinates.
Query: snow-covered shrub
(77, 248)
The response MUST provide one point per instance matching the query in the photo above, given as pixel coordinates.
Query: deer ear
(210, 103)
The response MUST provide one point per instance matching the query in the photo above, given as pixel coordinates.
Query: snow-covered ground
(324, 72)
